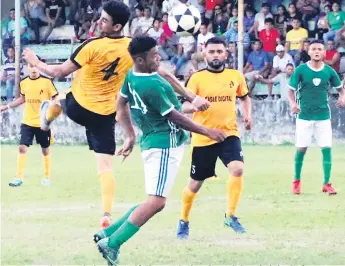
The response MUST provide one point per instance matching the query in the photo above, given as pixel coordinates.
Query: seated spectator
(139, 13)
(232, 60)
(292, 14)
(280, 20)
(295, 39)
(219, 25)
(210, 6)
(260, 18)
(308, 9)
(305, 57)
(269, 38)
(186, 48)
(332, 57)
(248, 22)
(322, 26)
(257, 65)
(232, 36)
(203, 37)
(145, 22)
(87, 13)
(168, 39)
(323, 4)
(8, 75)
(55, 11)
(35, 15)
(9, 34)
(233, 18)
(335, 22)
(280, 61)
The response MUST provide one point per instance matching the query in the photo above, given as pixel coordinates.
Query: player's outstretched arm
(188, 124)
(246, 103)
(55, 71)
(13, 104)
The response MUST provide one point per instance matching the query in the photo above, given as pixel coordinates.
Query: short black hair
(118, 11)
(266, 5)
(289, 64)
(215, 40)
(256, 40)
(296, 18)
(156, 19)
(12, 9)
(317, 41)
(147, 8)
(141, 45)
(269, 20)
(140, 7)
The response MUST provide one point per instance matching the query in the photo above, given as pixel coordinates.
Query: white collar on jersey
(144, 74)
(316, 70)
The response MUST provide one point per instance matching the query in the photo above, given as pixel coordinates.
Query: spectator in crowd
(9, 34)
(332, 57)
(322, 26)
(156, 32)
(203, 37)
(232, 36)
(293, 13)
(269, 38)
(280, 61)
(305, 57)
(219, 25)
(199, 4)
(168, 40)
(323, 4)
(55, 11)
(35, 15)
(257, 65)
(210, 6)
(167, 5)
(248, 22)
(308, 9)
(87, 13)
(186, 48)
(260, 18)
(8, 75)
(295, 39)
(280, 20)
(139, 13)
(335, 22)
(233, 18)
(232, 60)
(152, 4)
(145, 22)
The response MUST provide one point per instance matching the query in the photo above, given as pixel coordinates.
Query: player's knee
(104, 162)
(195, 185)
(157, 203)
(45, 151)
(236, 168)
(23, 148)
(302, 149)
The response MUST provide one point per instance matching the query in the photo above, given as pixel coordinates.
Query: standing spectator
(280, 20)
(322, 25)
(203, 37)
(232, 36)
(35, 15)
(232, 60)
(295, 39)
(305, 57)
(139, 13)
(168, 40)
(168, 5)
(332, 57)
(308, 9)
(55, 11)
(210, 6)
(145, 22)
(270, 38)
(260, 18)
(10, 28)
(156, 32)
(248, 22)
(280, 61)
(87, 13)
(335, 22)
(293, 13)
(186, 48)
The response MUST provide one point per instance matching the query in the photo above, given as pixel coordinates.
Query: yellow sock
(108, 190)
(47, 165)
(235, 187)
(187, 201)
(54, 110)
(21, 163)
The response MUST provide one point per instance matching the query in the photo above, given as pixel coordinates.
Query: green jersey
(311, 87)
(151, 98)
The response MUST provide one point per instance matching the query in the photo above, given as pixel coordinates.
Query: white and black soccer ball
(184, 20)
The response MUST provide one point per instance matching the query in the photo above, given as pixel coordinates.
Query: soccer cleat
(105, 221)
(46, 182)
(110, 254)
(99, 236)
(45, 124)
(182, 230)
(296, 187)
(16, 183)
(233, 222)
(329, 189)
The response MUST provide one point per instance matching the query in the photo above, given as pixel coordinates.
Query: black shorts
(204, 158)
(27, 134)
(100, 129)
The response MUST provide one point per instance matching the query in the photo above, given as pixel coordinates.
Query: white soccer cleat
(46, 182)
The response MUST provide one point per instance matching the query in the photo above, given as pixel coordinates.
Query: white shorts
(306, 129)
(160, 166)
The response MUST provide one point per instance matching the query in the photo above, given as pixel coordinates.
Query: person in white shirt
(145, 22)
(186, 48)
(259, 20)
(280, 61)
(203, 37)
(139, 13)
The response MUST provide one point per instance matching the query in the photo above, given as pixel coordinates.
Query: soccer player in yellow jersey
(102, 65)
(221, 87)
(34, 89)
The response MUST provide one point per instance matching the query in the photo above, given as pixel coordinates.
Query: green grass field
(54, 225)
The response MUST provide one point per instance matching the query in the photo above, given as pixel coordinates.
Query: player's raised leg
(50, 110)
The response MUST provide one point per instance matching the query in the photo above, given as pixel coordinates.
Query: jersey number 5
(110, 69)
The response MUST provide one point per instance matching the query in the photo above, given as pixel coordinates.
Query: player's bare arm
(13, 104)
(292, 100)
(341, 100)
(189, 108)
(55, 71)
(188, 124)
(246, 103)
(197, 101)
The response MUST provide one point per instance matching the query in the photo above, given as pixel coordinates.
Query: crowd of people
(276, 38)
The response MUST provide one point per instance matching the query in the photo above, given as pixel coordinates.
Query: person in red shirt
(210, 5)
(332, 57)
(270, 38)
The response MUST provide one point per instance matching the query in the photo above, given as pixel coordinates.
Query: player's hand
(201, 103)
(127, 148)
(247, 121)
(216, 134)
(295, 108)
(3, 108)
(30, 57)
(341, 102)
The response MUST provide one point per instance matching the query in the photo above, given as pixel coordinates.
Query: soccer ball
(184, 20)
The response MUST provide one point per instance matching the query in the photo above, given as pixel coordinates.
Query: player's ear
(117, 27)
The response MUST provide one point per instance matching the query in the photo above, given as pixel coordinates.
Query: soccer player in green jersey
(308, 97)
(152, 103)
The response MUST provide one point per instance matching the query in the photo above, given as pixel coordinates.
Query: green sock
(327, 164)
(113, 227)
(123, 234)
(298, 164)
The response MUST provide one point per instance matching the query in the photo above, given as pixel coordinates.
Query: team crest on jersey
(317, 81)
